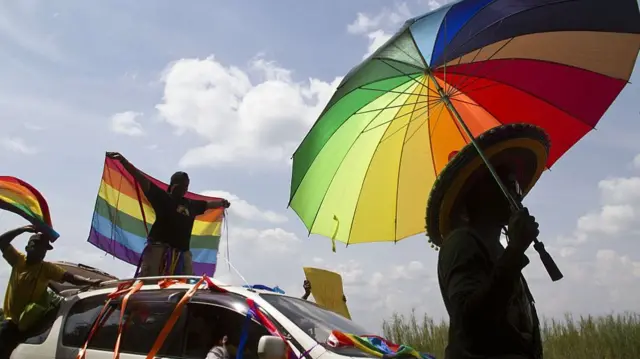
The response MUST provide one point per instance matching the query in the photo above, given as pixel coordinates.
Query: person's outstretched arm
(79, 280)
(218, 203)
(144, 182)
(10, 254)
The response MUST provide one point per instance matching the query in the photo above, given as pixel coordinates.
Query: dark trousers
(10, 337)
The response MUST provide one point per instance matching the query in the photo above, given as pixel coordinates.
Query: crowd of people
(492, 312)
(28, 296)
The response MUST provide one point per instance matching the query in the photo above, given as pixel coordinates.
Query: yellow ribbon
(335, 232)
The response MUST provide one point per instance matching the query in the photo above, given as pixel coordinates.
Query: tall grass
(590, 337)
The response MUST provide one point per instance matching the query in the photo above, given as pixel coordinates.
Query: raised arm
(78, 280)
(307, 289)
(8, 237)
(219, 203)
(144, 182)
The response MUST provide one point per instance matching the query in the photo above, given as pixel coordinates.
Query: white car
(208, 315)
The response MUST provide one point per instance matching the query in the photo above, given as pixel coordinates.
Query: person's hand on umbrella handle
(523, 229)
(307, 287)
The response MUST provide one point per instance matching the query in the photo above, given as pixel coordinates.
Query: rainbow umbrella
(364, 171)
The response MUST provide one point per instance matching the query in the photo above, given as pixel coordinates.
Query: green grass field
(604, 337)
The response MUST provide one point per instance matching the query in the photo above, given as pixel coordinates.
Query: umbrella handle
(548, 262)
(545, 257)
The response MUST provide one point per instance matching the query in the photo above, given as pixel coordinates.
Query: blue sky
(225, 90)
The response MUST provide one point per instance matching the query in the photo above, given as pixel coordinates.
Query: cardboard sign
(326, 288)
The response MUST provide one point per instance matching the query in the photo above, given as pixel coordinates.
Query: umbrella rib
(355, 210)
(426, 119)
(426, 108)
(507, 17)
(465, 102)
(433, 158)
(416, 81)
(390, 91)
(470, 62)
(315, 217)
(475, 90)
(436, 123)
(406, 53)
(534, 96)
(395, 220)
(466, 81)
(389, 107)
(386, 122)
(327, 108)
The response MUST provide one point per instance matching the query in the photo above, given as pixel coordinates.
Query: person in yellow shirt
(30, 276)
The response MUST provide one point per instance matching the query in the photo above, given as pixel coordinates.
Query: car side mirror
(270, 347)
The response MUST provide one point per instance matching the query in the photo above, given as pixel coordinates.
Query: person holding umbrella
(491, 310)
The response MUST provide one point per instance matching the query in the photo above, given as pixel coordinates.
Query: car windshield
(315, 321)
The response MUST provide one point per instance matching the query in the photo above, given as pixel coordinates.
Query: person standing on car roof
(175, 215)
(30, 276)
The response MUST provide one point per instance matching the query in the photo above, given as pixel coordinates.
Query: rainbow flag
(21, 198)
(123, 217)
(375, 345)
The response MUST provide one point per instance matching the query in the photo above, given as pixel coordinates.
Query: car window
(143, 320)
(40, 331)
(207, 324)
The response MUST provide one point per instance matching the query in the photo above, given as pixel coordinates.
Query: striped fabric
(123, 217)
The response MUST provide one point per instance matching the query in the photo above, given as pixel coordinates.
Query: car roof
(152, 283)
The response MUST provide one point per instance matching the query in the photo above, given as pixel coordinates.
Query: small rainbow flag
(21, 198)
(375, 345)
(123, 217)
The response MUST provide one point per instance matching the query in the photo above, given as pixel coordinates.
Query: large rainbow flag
(21, 198)
(123, 217)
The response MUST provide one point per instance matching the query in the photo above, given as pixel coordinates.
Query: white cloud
(242, 120)
(610, 266)
(376, 39)
(17, 145)
(126, 123)
(378, 28)
(260, 242)
(620, 190)
(618, 214)
(636, 162)
(365, 23)
(245, 209)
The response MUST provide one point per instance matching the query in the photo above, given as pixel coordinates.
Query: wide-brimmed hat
(520, 148)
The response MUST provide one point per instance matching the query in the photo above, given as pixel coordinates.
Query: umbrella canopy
(364, 171)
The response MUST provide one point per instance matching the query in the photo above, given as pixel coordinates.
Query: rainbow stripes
(21, 198)
(375, 345)
(123, 217)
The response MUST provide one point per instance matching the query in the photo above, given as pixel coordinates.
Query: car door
(212, 316)
(145, 316)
